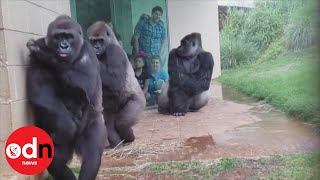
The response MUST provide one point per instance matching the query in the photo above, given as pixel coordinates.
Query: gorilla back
(190, 70)
(123, 99)
(64, 88)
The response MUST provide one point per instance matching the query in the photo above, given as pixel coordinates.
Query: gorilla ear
(80, 30)
(46, 41)
(107, 29)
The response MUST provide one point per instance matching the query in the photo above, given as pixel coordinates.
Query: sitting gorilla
(123, 99)
(190, 70)
(64, 88)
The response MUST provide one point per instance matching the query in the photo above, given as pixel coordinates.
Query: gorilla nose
(64, 45)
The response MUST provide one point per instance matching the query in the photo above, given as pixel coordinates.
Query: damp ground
(236, 129)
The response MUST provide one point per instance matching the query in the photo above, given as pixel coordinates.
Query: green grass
(290, 166)
(290, 83)
(193, 169)
(293, 166)
(299, 166)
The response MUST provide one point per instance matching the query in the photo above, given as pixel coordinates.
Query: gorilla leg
(126, 133)
(90, 146)
(199, 101)
(178, 102)
(163, 100)
(113, 136)
(128, 117)
(58, 167)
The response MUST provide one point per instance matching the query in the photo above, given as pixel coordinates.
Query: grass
(292, 166)
(297, 166)
(193, 169)
(289, 82)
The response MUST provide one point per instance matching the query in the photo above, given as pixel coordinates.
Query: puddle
(271, 126)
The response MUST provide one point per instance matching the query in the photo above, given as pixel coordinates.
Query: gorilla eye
(69, 36)
(108, 34)
(101, 41)
(57, 36)
(193, 43)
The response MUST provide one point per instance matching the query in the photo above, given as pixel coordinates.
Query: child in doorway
(141, 74)
(158, 78)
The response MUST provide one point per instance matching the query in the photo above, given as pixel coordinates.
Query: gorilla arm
(183, 85)
(173, 68)
(176, 93)
(113, 68)
(53, 115)
(200, 80)
(86, 85)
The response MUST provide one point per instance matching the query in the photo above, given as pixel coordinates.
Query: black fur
(190, 70)
(66, 96)
(123, 99)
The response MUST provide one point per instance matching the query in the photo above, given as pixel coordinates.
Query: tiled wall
(20, 20)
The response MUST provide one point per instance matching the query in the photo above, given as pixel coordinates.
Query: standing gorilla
(123, 99)
(64, 87)
(190, 70)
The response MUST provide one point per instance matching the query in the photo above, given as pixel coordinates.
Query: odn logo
(29, 150)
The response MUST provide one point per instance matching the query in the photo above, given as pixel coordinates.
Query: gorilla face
(65, 39)
(190, 45)
(100, 36)
(63, 43)
(187, 48)
(98, 43)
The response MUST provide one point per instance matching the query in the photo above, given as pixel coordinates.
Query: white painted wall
(187, 16)
(239, 3)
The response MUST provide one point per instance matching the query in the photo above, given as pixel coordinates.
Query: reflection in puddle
(271, 125)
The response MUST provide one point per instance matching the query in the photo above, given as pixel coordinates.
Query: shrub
(247, 35)
(300, 32)
(275, 49)
(235, 52)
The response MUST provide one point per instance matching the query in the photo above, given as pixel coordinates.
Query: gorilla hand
(32, 46)
(64, 133)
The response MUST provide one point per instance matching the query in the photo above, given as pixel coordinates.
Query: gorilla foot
(129, 140)
(115, 146)
(179, 114)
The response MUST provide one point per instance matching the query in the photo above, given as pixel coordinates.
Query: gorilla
(64, 89)
(190, 70)
(123, 99)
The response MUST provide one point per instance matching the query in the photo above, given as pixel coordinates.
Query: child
(141, 74)
(158, 78)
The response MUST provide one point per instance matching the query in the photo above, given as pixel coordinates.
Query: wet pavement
(231, 125)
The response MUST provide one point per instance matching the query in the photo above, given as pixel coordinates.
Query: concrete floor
(231, 125)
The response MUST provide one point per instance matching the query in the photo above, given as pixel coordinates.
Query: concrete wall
(20, 20)
(183, 21)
